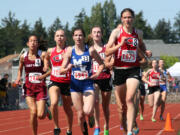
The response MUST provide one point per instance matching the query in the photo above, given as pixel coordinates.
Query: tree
(39, 30)
(140, 23)
(169, 60)
(96, 18)
(177, 26)
(109, 18)
(52, 29)
(79, 19)
(24, 34)
(163, 31)
(10, 40)
(68, 34)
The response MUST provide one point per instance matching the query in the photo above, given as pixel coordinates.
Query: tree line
(14, 33)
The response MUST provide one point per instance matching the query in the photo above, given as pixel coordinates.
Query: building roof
(8, 58)
(159, 48)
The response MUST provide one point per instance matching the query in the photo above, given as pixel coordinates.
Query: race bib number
(128, 56)
(95, 66)
(132, 41)
(33, 77)
(155, 82)
(56, 72)
(80, 75)
(37, 62)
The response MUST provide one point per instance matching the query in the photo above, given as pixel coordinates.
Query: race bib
(33, 77)
(37, 62)
(95, 66)
(56, 72)
(155, 82)
(128, 56)
(80, 75)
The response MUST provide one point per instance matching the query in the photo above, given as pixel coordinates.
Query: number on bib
(95, 66)
(128, 56)
(56, 72)
(79, 75)
(33, 77)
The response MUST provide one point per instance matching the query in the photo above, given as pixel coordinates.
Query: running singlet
(127, 54)
(163, 82)
(154, 78)
(56, 62)
(81, 69)
(33, 69)
(105, 74)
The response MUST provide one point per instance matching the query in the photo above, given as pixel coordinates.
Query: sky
(66, 10)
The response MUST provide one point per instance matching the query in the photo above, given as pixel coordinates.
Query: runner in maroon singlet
(35, 87)
(103, 83)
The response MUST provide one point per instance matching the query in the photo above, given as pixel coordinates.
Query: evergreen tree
(177, 26)
(51, 31)
(11, 34)
(39, 30)
(141, 24)
(163, 31)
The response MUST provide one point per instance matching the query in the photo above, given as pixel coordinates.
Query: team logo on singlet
(132, 41)
(37, 62)
(57, 58)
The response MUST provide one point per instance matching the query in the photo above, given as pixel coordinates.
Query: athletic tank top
(127, 54)
(105, 74)
(154, 78)
(33, 68)
(163, 82)
(56, 59)
(81, 69)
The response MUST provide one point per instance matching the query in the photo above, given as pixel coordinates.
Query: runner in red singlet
(103, 83)
(35, 87)
(124, 42)
(59, 83)
(154, 75)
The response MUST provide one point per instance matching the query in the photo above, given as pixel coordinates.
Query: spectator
(3, 91)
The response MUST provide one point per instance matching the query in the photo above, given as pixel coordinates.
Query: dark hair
(42, 43)
(79, 28)
(89, 41)
(6, 75)
(129, 10)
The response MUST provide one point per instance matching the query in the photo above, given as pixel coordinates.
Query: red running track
(17, 122)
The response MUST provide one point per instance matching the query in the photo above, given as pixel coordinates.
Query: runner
(59, 84)
(127, 40)
(163, 87)
(35, 87)
(103, 83)
(142, 97)
(154, 75)
(79, 58)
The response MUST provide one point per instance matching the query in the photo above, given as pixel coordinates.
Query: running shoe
(129, 133)
(69, 133)
(136, 130)
(96, 131)
(141, 117)
(121, 128)
(106, 132)
(153, 120)
(48, 112)
(57, 131)
(161, 117)
(91, 121)
(85, 132)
